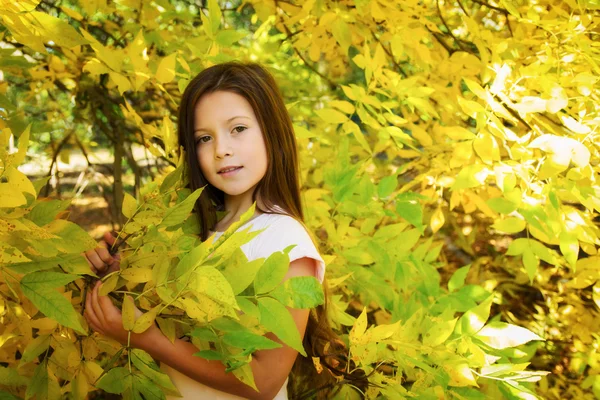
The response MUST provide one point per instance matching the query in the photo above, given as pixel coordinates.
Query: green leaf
(300, 292)
(228, 37)
(191, 260)
(39, 288)
(180, 212)
(342, 34)
(8, 396)
(245, 340)
(531, 263)
(409, 208)
(173, 177)
(386, 186)
(277, 319)
(209, 355)
(501, 205)
(227, 325)
(143, 386)
(439, 332)
(212, 283)
(458, 278)
(204, 333)
(114, 380)
(46, 211)
(501, 335)
(272, 272)
(74, 238)
(72, 263)
(34, 348)
(41, 386)
(473, 320)
(214, 13)
(144, 362)
(244, 375)
(569, 247)
(509, 225)
(239, 272)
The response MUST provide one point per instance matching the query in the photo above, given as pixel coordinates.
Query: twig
(460, 4)
(460, 45)
(488, 5)
(449, 49)
(390, 55)
(332, 84)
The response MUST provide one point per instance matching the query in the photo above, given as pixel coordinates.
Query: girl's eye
(202, 139)
(237, 127)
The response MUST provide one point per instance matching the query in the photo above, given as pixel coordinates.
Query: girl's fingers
(109, 239)
(103, 253)
(90, 317)
(96, 263)
(96, 306)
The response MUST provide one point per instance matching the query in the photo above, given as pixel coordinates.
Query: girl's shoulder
(280, 231)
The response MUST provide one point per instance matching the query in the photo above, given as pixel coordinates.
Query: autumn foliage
(450, 174)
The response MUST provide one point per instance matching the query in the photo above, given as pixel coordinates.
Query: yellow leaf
(128, 313)
(146, 320)
(509, 225)
(574, 125)
(358, 135)
(129, 205)
(476, 88)
(460, 375)
(244, 374)
(531, 104)
(17, 158)
(72, 13)
(359, 328)
(376, 11)
(332, 116)
(439, 332)
(486, 148)
(343, 105)
(137, 275)
(120, 81)
(421, 135)
(166, 69)
(57, 30)
(437, 220)
(558, 100)
(95, 67)
(342, 34)
(569, 247)
(596, 295)
(456, 132)
(471, 108)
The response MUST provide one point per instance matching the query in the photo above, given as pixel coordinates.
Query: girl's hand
(102, 315)
(100, 260)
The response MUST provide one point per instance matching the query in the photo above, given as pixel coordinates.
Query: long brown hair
(279, 187)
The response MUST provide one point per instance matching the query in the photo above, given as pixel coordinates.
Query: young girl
(240, 144)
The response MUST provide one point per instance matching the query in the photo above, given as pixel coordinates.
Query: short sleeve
(283, 232)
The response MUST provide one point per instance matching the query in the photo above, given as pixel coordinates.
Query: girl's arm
(270, 367)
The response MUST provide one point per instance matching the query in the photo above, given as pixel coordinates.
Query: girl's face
(227, 135)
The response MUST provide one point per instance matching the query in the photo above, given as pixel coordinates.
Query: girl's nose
(223, 147)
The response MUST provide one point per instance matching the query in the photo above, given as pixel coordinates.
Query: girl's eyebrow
(229, 120)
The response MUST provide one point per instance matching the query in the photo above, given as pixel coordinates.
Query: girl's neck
(235, 207)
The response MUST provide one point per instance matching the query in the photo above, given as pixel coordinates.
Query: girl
(240, 144)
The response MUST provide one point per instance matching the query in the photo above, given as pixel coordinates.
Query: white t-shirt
(281, 231)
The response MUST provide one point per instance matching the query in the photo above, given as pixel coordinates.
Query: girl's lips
(231, 172)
